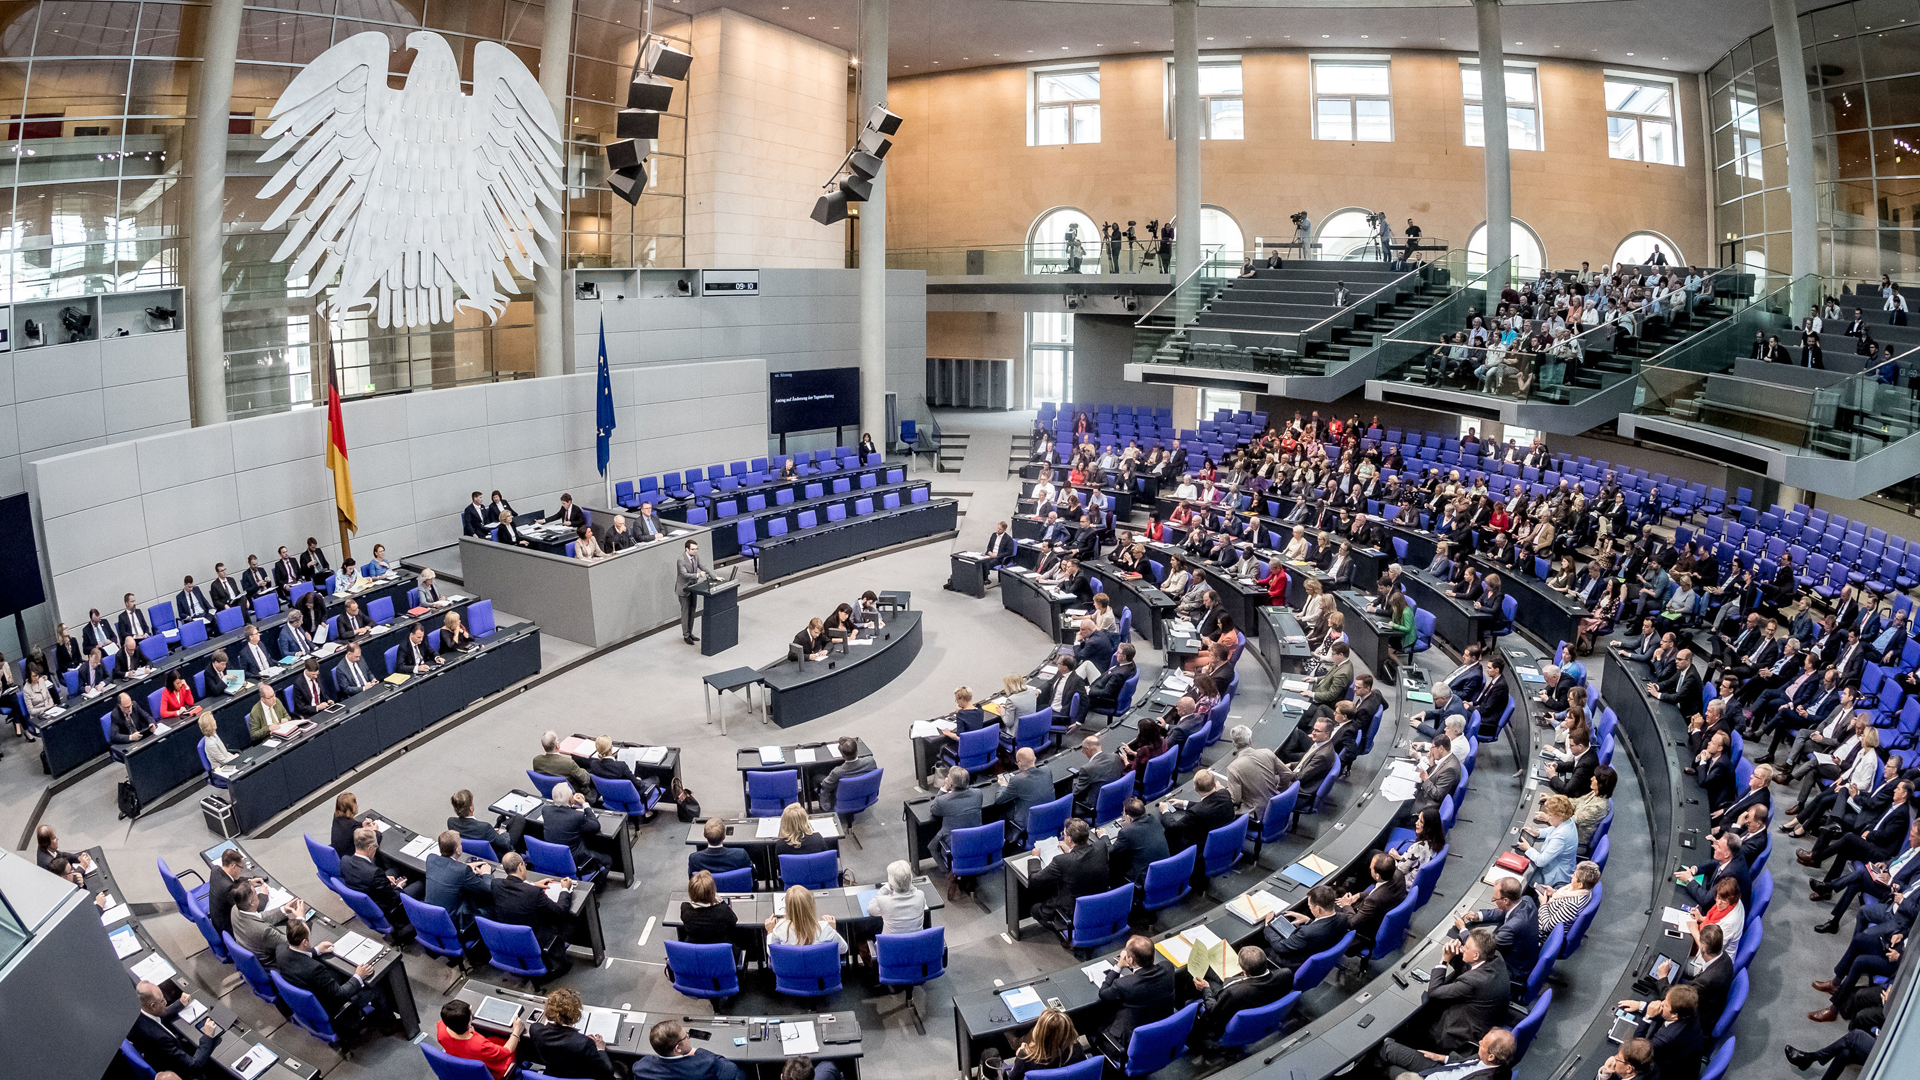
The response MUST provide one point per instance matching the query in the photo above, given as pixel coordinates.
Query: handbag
(689, 807)
(1513, 861)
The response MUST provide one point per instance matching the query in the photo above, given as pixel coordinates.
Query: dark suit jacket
(715, 860)
(1144, 842)
(1106, 689)
(1677, 1048)
(1076, 873)
(566, 1052)
(474, 521)
(134, 624)
(523, 903)
(255, 658)
(310, 973)
(412, 655)
(1517, 933)
(1314, 766)
(180, 605)
(474, 829)
(167, 1051)
(1024, 791)
(125, 724)
(366, 876)
(225, 592)
(1471, 1001)
(709, 925)
(1365, 915)
(1314, 937)
(569, 827)
(309, 696)
(1102, 769)
(93, 636)
(451, 885)
(1222, 1002)
(256, 580)
(1191, 825)
(1576, 778)
(1713, 984)
(1142, 996)
(1716, 777)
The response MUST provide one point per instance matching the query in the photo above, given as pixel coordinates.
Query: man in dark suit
(1188, 823)
(163, 1048)
(353, 622)
(1092, 645)
(568, 821)
(1319, 930)
(133, 622)
(96, 671)
(473, 518)
(1490, 1059)
(1710, 974)
(1683, 689)
(1023, 789)
(361, 871)
(1100, 767)
(98, 632)
(344, 998)
(1574, 777)
(1877, 842)
(1104, 692)
(254, 656)
(1001, 547)
(1727, 862)
(350, 675)
(1142, 990)
(1759, 793)
(1491, 701)
(1439, 777)
(458, 886)
(1515, 919)
(1319, 759)
(1366, 908)
(222, 883)
(285, 573)
(309, 696)
(224, 591)
(1672, 1025)
(190, 602)
(521, 903)
(716, 857)
(852, 763)
(618, 536)
(256, 581)
(1140, 842)
(416, 655)
(1260, 982)
(1079, 870)
(1467, 996)
(130, 724)
(569, 515)
(313, 563)
(958, 806)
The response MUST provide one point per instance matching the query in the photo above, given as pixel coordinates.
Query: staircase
(952, 452)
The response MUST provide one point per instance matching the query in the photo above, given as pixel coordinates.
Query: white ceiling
(944, 35)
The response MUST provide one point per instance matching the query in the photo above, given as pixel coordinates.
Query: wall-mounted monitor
(812, 400)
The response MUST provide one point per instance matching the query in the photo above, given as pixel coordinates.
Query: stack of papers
(1295, 686)
(804, 755)
(1096, 973)
(1048, 849)
(598, 1021)
(1496, 874)
(1675, 916)
(125, 942)
(277, 898)
(515, 803)
(258, 1060)
(1256, 906)
(555, 890)
(799, 1038)
(772, 755)
(419, 847)
(153, 969)
(114, 914)
(928, 729)
(575, 746)
(354, 949)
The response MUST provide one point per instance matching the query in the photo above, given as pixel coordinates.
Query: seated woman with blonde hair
(802, 925)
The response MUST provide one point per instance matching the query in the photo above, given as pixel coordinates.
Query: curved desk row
(237, 1040)
(74, 739)
(726, 539)
(1242, 599)
(857, 534)
(1119, 500)
(270, 779)
(171, 756)
(1043, 606)
(801, 690)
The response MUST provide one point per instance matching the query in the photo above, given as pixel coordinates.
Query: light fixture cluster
(638, 125)
(853, 181)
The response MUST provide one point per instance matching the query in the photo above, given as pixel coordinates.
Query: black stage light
(647, 92)
(628, 183)
(830, 208)
(637, 124)
(625, 154)
(865, 166)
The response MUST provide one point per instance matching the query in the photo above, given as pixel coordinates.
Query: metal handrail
(1141, 322)
(1336, 314)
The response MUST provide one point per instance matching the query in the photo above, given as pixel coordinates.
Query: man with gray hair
(1430, 723)
(1254, 774)
(551, 762)
(956, 807)
(568, 821)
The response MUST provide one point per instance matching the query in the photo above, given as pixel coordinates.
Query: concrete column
(1187, 249)
(1493, 115)
(873, 233)
(549, 281)
(207, 164)
(1799, 122)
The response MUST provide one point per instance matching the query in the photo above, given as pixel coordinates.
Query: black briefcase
(129, 800)
(219, 815)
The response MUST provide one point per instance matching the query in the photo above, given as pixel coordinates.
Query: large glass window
(1051, 247)
(1530, 254)
(1640, 120)
(1352, 100)
(1523, 106)
(1220, 234)
(1345, 235)
(1208, 403)
(1066, 106)
(1638, 247)
(1049, 356)
(1222, 111)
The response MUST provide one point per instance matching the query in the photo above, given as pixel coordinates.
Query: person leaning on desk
(812, 640)
(676, 1058)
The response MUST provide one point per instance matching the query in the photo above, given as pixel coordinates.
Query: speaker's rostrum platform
(799, 691)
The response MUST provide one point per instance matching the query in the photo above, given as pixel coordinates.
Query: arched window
(1527, 249)
(1219, 230)
(1638, 247)
(1345, 234)
(1047, 243)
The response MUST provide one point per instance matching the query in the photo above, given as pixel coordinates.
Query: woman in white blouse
(801, 925)
(900, 905)
(217, 752)
(1297, 548)
(39, 693)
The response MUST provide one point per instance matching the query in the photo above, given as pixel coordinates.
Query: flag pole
(333, 391)
(606, 478)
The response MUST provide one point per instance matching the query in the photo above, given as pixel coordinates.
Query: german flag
(337, 451)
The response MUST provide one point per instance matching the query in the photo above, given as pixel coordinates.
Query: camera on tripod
(1298, 216)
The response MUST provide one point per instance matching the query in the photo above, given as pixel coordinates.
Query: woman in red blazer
(177, 698)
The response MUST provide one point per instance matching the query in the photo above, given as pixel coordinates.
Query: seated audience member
(1559, 843)
(259, 929)
(457, 1037)
(160, 1043)
(458, 886)
(454, 633)
(1564, 904)
(521, 903)
(568, 821)
(899, 904)
(350, 675)
(716, 857)
(705, 919)
(294, 639)
(345, 998)
(1052, 1043)
(1466, 997)
(417, 655)
(361, 871)
(1709, 972)
(802, 924)
(1515, 917)
(130, 722)
(562, 1048)
(254, 657)
(852, 763)
(797, 834)
(1322, 925)
(1141, 990)
(551, 762)
(310, 698)
(472, 828)
(675, 1057)
(1259, 983)
(1080, 869)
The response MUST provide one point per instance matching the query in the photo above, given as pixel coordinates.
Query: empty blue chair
(145, 1071)
(308, 1013)
(435, 928)
(1392, 932)
(1032, 731)
(1749, 944)
(553, 859)
(479, 849)
(266, 607)
(154, 648)
(1315, 967)
(855, 794)
(977, 851)
(364, 907)
(1529, 1025)
(515, 950)
(734, 881)
(327, 861)
(769, 791)
(623, 797)
(1428, 875)
(805, 971)
(1277, 819)
(1112, 800)
(1046, 820)
(183, 897)
(1249, 1026)
(255, 972)
(380, 610)
(544, 782)
(1224, 846)
(1153, 1046)
(1169, 880)
(910, 960)
(1100, 920)
(192, 633)
(820, 870)
(447, 1067)
(1543, 967)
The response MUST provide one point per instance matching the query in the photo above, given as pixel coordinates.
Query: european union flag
(604, 403)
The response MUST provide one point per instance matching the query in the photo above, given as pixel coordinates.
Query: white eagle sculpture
(421, 199)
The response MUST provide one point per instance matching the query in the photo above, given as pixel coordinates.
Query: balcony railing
(1015, 260)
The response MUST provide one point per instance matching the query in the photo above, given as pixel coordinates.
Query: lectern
(719, 615)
